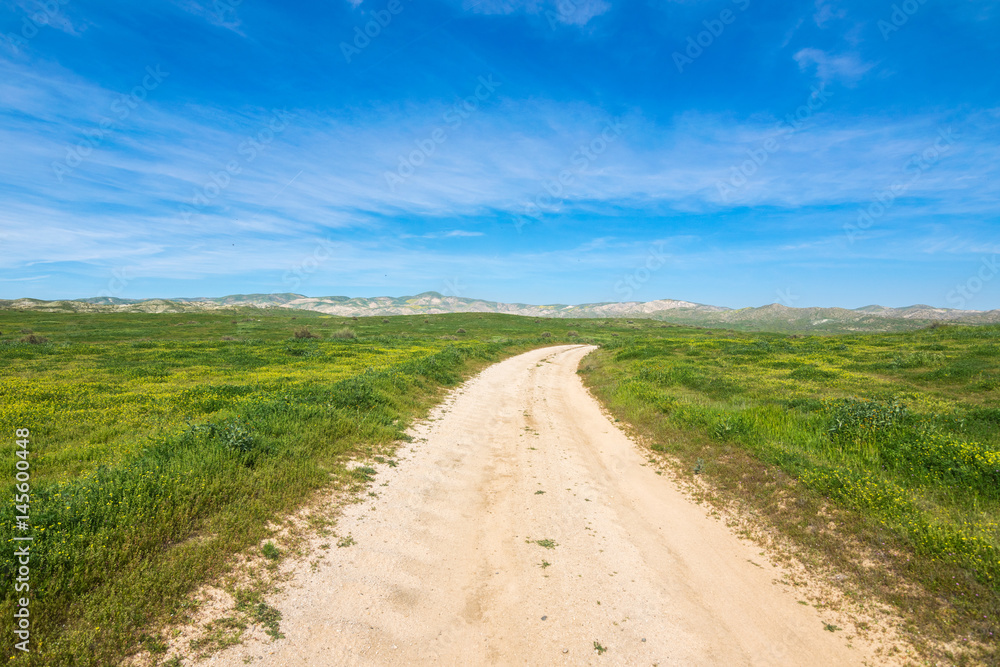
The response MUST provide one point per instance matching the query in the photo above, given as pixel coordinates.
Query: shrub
(343, 333)
(546, 334)
(228, 338)
(303, 332)
(449, 337)
(35, 339)
(385, 320)
(460, 331)
(572, 334)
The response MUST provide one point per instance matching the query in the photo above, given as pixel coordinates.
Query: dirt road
(447, 567)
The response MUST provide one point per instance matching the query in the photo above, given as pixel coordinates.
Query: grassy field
(881, 453)
(160, 445)
(163, 444)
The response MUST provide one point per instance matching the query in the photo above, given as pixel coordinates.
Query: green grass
(897, 434)
(163, 444)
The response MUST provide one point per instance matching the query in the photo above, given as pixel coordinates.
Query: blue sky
(732, 152)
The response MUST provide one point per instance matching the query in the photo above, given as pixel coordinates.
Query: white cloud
(846, 68)
(826, 12)
(566, 12)
(221, 13)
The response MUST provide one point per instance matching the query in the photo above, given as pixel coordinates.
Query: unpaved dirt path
(445, 568)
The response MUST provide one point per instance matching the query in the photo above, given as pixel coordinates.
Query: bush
(343, 333)
(35, 339)
(303, 332)
(460, 331)
(385, 320)
(546, 334)
(572, 334)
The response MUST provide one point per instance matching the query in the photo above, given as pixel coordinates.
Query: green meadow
(896, 434)
(163, 444)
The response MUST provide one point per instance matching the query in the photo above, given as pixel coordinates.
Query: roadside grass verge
(877, 454)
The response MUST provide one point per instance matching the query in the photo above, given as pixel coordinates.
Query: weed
(546, 543)
(600, 649)
(270, 551)
(344, 333)
(345, 542)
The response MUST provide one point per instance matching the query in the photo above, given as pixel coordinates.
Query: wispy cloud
(845, 68)
(220, 13)
(555, 12)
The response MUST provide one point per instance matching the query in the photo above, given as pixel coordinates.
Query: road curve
(446, 567)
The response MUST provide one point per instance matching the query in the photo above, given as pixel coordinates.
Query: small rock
(544, 617)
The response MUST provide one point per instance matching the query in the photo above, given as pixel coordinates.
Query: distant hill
(773, 317)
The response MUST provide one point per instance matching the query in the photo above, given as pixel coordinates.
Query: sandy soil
(446, 569)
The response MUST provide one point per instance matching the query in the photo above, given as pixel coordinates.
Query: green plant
(600, 649)
(270, 551)
(344, 333)
(546, 543)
